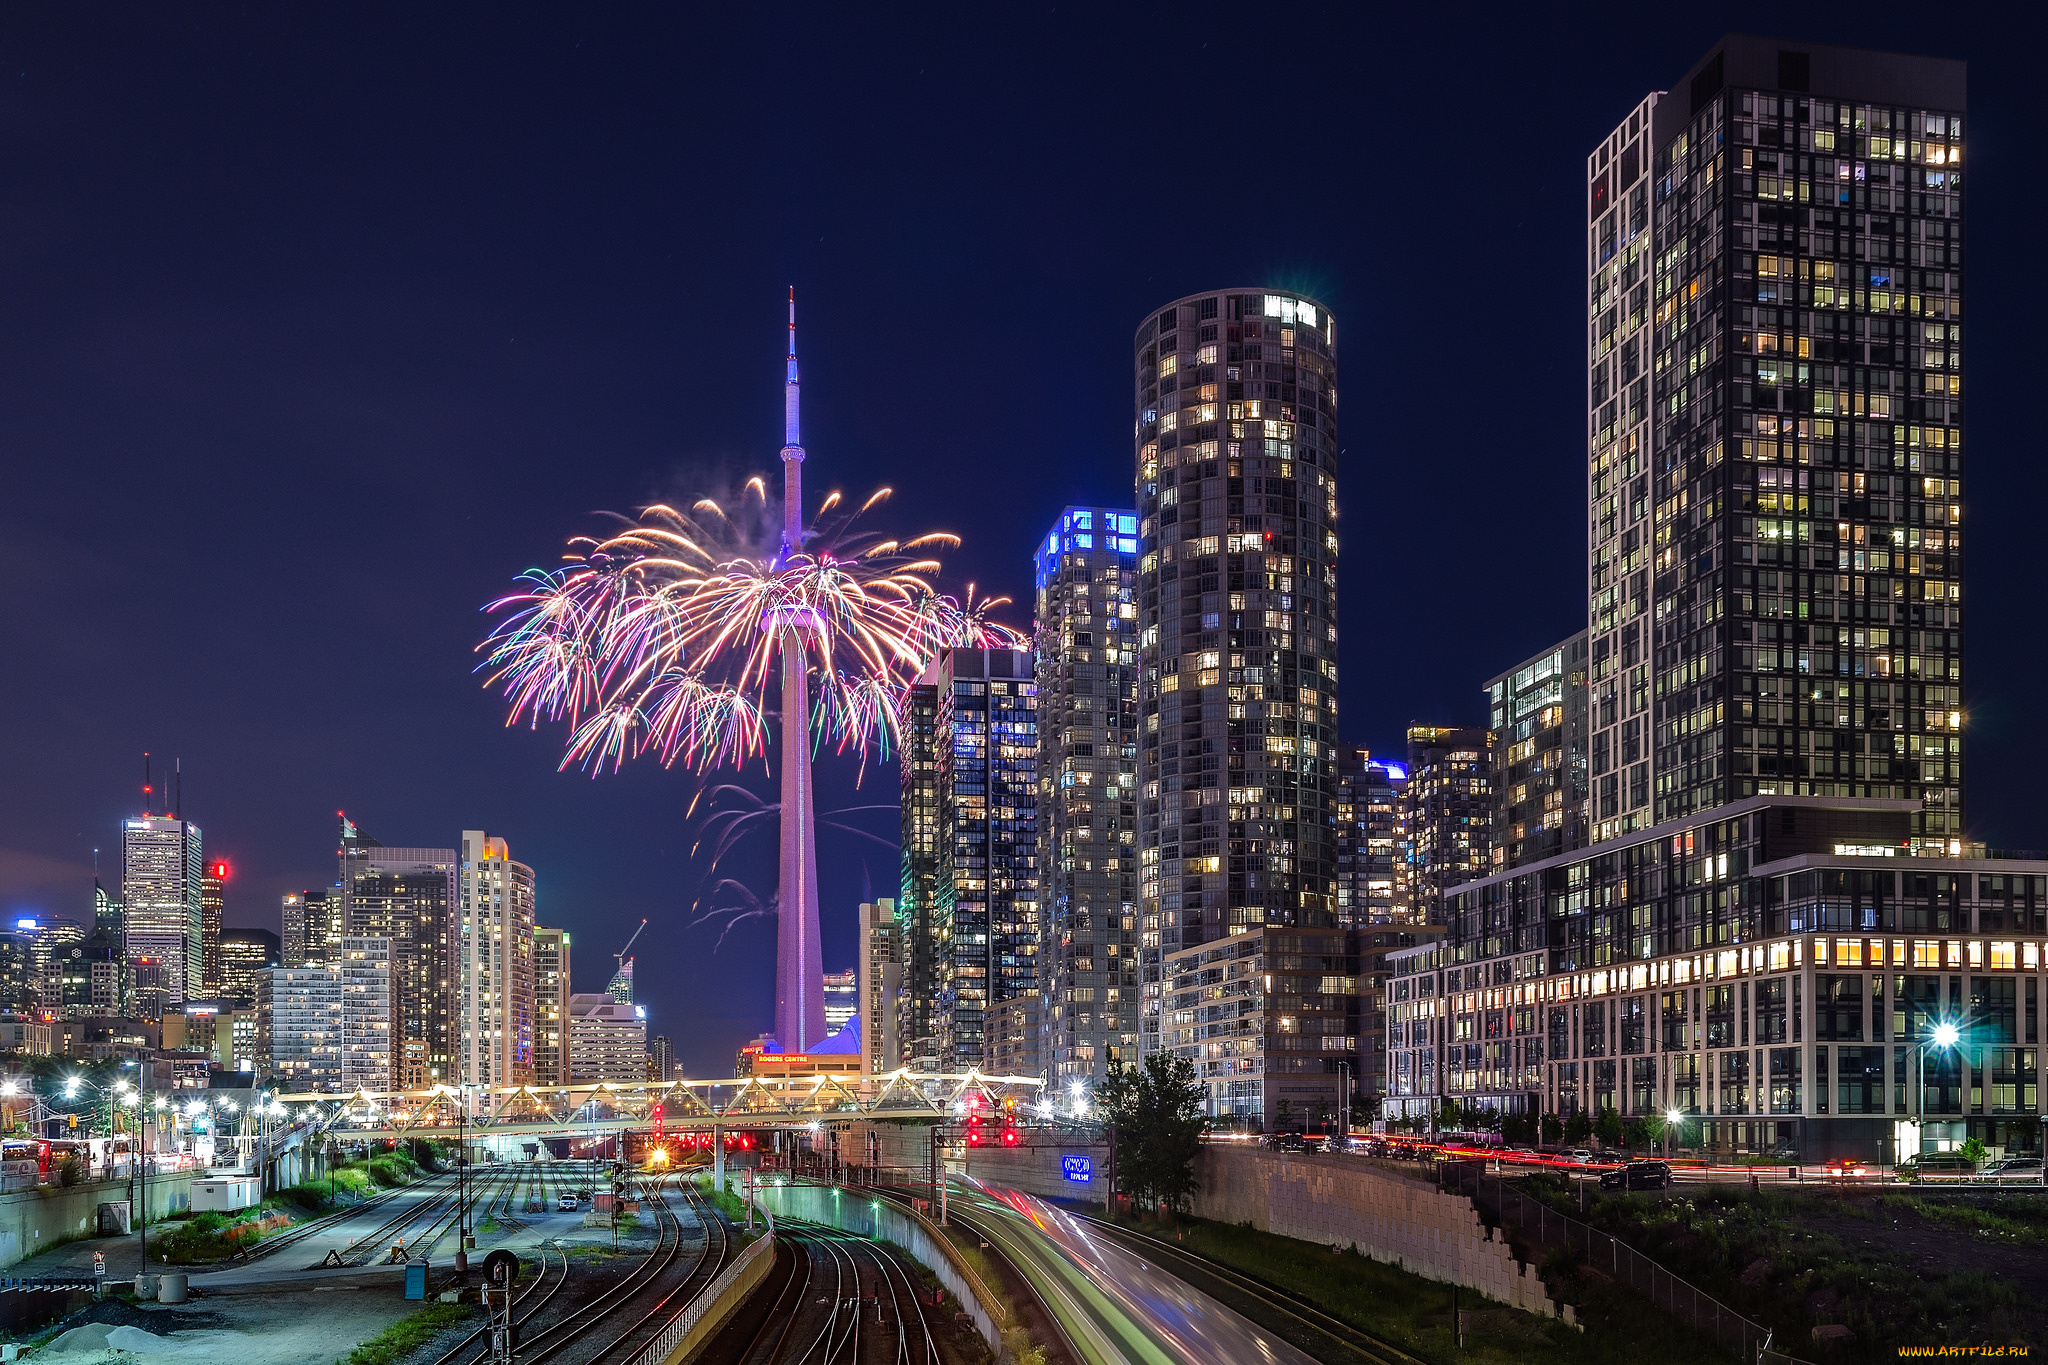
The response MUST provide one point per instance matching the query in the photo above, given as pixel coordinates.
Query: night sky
(318, 325)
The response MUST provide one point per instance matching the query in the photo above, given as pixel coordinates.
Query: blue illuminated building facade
(1087, 670)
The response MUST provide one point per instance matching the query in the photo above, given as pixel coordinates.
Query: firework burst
(669, 636)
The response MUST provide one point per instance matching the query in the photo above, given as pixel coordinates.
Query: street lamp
(1945, 1034)
(1672, 1119)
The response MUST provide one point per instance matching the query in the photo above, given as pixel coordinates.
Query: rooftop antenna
(178, 803)
(147, 786)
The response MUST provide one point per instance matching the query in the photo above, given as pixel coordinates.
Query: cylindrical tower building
(1236, 443)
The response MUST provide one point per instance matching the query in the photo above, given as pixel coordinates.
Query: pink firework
(669, 637)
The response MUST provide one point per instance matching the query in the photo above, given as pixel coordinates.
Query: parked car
(1637, 1175)
(2014, 1170)
(1937, 1166)
(1579, 1154)
(1844, 1168)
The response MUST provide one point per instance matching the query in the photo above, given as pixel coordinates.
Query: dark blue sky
(317, 326)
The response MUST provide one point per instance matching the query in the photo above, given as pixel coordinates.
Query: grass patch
(407, 1335)
(1414, 1314)
(725, 1201)
(2009, 1219)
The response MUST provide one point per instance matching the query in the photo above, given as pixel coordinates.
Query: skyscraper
(212, 889)
(1375, 880)
(163, 868)
(292, 942)
(1450, 811)
(495, 961)
(1774, 398)
(407, 895)
(882, 995)
(243, 953)
(1540, 762)
(108, 915)
(368, 1008)
(1236, 444)
(607, 1040)
(551, 993)
(1087, 675)
(970, 846)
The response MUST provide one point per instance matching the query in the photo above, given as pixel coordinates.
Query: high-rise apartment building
(1778, 919)
(1087, 676)
(495, 910)
(661, 1059)
(321, 926)
(1375, 881)
(243, 953)
(970, 846)
(299, 1026)
(212, 901)
(1235, 403)
(1450, 811)
(408, 895)
(551, 993)
(369, 1000)
(1774, 397)
(883, 997)
(292, 942)
(1540, 756)
(162, 873)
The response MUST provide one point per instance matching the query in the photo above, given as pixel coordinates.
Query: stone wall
(36, 1220)
(1390, 1217)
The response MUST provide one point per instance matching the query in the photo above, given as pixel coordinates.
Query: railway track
(645, 1300)
(1225, 1284)
(872, 1312)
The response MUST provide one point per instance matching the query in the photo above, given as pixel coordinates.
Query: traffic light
(1010, 1121)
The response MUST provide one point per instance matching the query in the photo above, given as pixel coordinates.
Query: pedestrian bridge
(603, 1107)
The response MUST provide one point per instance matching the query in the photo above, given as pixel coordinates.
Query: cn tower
(799, 962)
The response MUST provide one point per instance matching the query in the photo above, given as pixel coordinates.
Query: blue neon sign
(1077, 1169)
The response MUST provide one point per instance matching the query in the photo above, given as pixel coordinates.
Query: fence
(1545, 1229)
(714, 1300)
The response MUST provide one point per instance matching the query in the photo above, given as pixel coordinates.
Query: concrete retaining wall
(1339, 1202)
(857, 1211)
(703, 1318)
(36, 1220)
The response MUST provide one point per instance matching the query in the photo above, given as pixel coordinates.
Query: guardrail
(1547, 1229)
(709, 1307)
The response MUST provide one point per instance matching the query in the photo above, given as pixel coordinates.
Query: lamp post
(1945, 1034)
(1344, 1102)
(1672, 1119)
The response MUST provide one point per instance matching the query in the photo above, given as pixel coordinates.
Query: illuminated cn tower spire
(799, 962)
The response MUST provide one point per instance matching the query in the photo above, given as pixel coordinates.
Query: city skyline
(574, 830)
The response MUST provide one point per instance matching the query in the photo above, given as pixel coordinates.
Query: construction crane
(621, 953)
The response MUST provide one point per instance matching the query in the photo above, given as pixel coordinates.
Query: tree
(1281, 1114)
(1553, 1130)
(1578, 1127)
(1609, 1127)
(1636, 1132)
(1153, 1114)
(2026, 1132)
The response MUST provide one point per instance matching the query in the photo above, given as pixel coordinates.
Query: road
(1116, 1307)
